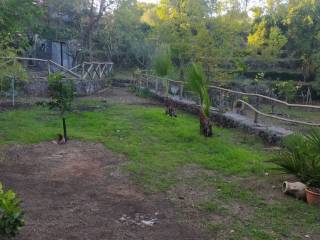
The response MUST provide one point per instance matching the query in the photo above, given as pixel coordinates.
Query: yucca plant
(198, 84)
(301, 157)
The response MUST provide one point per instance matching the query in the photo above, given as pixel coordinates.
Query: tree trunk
(64, 129)
(170, 110)
(205, 125)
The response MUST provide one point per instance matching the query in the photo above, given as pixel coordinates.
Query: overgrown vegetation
(233, 40)
(301, 157)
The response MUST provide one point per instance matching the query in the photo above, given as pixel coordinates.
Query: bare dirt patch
(79, 191)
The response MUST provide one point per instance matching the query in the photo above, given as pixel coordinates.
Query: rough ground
(78, 191)
(81, 191)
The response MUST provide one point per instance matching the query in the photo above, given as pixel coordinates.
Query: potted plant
(301, 157)
(198, 84)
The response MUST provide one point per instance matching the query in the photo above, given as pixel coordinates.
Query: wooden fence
(91, 71)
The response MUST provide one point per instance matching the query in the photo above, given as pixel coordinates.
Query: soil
(122, 96)
(79, 191)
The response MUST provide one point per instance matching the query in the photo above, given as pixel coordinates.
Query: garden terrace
(127, 165)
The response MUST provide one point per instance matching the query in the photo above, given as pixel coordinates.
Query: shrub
(11, 215)
(162, 61)
(301, 157)
(286, 90)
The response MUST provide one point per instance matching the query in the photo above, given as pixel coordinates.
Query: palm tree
(198, 84)
(162, 67)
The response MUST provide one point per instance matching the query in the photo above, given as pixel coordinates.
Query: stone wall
(39, 87)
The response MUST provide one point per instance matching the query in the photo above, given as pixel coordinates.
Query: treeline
(228, 37)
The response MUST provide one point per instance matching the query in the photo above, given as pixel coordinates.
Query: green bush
(286, 90)
(301, 157)
(11, 215)
(162, 61)
(61, 91)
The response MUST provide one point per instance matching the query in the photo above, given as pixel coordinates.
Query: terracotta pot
(313, 198)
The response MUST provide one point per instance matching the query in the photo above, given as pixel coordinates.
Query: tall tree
(304, 31)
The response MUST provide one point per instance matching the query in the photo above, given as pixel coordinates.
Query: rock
(149, 223)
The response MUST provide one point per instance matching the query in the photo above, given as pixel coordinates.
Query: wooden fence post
(221, 100)
(256, 115)
(181, 90)
(147, 84)
(157, 84)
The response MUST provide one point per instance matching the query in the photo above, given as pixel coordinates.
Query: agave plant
(198, 84)
(301, 157)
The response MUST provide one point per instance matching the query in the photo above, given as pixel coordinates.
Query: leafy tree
(62, 94)
(276, 41)
(180, 23)
(304, 31)
(17, 19)
(124, 35)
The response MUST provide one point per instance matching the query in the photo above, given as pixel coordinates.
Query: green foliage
(11, 215)
(301, 157)
(61, 91)
(162, 61)
(258, 78)
(197, 82)
(277, 40)
(286, 90)
(303, 21)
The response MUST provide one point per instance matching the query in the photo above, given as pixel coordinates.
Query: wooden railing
(155, 83)
(91, 71)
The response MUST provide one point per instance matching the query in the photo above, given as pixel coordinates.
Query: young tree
(198, 84)
(62, 94)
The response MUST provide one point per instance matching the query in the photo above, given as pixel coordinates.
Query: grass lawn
(158, 147)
